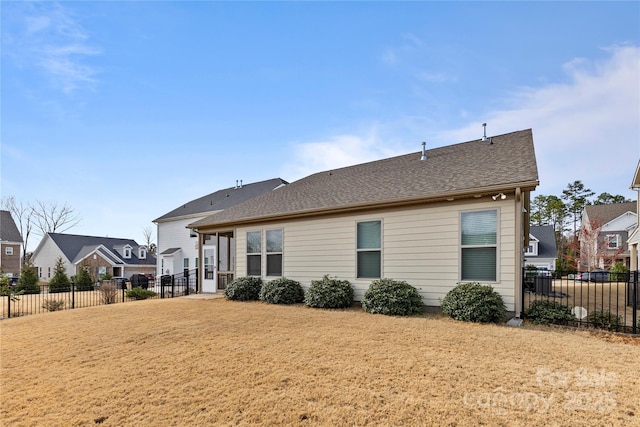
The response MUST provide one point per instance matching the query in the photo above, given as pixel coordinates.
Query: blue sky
(126, 110)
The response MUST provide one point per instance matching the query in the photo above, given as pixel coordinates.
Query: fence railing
(596, 299)
(43, 299)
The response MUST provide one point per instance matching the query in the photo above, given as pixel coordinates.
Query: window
(185, 263)
(142, 253)
(479, 245)
(127, 251)
(196, 262)
(274, 252)
(532, 249)
(612, 241)
(254, 253)
(49, 272)
(8, 250)
(369, 241)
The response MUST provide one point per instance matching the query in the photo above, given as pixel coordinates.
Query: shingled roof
(8, 230)
(222, 199)
(546, 240)
(74, 247)
(506, 162)
(606, 213)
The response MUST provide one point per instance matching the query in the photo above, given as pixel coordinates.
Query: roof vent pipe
(484, 126)
(240, 183)
(236, 184)
(424, 151)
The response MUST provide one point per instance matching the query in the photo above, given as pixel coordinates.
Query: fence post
(124, 290)
(173, 286)
(197, 280)
(73, 294)
(186, 280)
(634, 303)
(9, 305)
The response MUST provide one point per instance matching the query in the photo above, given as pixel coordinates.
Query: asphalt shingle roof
(222, 199)
(506, 162)
(73, 245)
(606, 213)
(8, 230)
(546, 240)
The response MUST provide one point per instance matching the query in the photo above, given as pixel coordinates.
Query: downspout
(519, 242)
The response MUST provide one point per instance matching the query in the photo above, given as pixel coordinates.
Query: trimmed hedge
(139, 294)
(392, 297)
(282, 291)
(545, 312)
(244, 289)
(473, 302)
(329, 293)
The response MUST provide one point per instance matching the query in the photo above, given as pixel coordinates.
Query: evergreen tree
(28, 282)
(59, 282)
(84, 281)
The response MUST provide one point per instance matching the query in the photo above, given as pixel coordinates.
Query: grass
(186, 362)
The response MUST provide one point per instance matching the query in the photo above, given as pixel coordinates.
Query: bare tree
(24, 217)
(147, 233)
(51, 218)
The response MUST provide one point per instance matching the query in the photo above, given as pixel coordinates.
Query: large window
(254, 253)
(612, 241)
(479, 245)
(369, 249)
(274, 252)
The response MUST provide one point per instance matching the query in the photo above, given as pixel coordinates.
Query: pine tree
(59, 282)
(84, 282)
(28, 282)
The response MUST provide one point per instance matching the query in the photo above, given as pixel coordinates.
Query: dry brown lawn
(187, 362)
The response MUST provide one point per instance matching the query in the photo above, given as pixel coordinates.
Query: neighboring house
(604, 234)
(177, 245)
(542, 250)
(10, 245)
(452, 214)
(103, 255)
(634, 237)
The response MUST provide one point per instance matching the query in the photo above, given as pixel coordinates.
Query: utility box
(543, 284)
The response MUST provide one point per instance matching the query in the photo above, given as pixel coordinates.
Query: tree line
(564, 214)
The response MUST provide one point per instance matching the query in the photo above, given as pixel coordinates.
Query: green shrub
(139, 294)
(244, 289)
(52, 305)
(282, 291)
(618, 272)
(84, 281)
(329, 293)
(545, 312)
(392, 297)
(473, 302)
(604, 319)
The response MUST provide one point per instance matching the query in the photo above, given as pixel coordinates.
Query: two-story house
(178, 246)
(604, 233)
(542, 250)
(10, 245)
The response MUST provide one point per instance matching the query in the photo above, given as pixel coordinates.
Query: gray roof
(223, 199)
(453, 171)
(8, 230)
(75, 247)
(170, 251)
(546, 241)
(605, 213)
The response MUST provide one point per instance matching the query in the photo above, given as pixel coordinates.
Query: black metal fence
(600, 299)
(44, 299)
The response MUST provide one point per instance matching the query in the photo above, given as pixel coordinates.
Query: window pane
(253, 265)
(369, 264)
(479, 264)
(369, 235)
(274, 240)
(254, 242)
(274, 265)
(479, 228)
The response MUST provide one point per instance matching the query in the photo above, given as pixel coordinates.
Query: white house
(177, 247)
(542, 250)
(118, 257)
(433, 218)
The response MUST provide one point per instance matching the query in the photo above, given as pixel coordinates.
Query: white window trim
(534, 251)
(497, 245)
(247, 253)
(126, 252)
(608, 241)
(8, 250)
(266, 253)
(142, 253)
(381, 221)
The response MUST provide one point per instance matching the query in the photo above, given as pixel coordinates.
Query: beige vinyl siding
(420, 245)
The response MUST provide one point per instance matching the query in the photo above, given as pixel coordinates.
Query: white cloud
(47, 36)
(587, 129)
